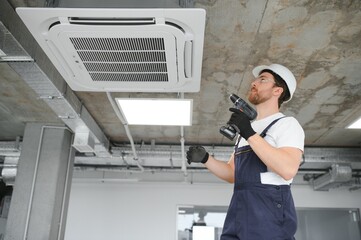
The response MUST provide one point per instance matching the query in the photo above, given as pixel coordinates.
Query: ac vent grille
(130, 77)
(126, 67)
(118, 44)
(123, 59)
(111, 21)
(94, 56)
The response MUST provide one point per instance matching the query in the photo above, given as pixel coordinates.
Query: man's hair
(280, 83)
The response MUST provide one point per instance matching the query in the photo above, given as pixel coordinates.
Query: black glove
(241, 123)
(197, 154)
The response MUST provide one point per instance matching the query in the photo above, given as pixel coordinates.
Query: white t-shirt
(286, 132)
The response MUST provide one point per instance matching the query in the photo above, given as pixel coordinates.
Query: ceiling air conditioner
(122, 50)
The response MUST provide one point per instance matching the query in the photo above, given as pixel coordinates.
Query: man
(266, 158)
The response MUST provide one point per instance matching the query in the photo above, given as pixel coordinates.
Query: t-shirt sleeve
(289, 133)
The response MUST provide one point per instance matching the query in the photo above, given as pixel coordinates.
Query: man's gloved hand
(241, 123)
(197, 154)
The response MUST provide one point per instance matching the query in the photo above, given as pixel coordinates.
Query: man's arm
(221, 169)
(284, 161)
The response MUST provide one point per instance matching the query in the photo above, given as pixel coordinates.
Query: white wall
(139, 211)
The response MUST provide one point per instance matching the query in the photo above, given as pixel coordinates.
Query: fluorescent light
(175, 112)
(356, 124)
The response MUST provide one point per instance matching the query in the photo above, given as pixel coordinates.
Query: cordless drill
(229, 131)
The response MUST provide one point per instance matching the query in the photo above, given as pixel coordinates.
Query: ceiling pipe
(184, 166)
(126, 127)
(124, 169)
(156, 160)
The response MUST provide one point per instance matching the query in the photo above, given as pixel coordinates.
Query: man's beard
(255, 98)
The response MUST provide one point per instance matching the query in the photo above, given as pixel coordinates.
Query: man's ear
(278, 91)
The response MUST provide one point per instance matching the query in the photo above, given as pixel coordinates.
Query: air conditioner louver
(124, 50)
(123, 59)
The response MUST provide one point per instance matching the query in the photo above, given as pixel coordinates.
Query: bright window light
(175, 112)
(355, 125)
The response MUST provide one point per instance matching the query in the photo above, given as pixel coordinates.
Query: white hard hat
(283, 72)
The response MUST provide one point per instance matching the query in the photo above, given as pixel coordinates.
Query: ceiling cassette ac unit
(122, 50)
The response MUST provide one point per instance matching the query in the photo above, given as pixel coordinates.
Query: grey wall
(133, 211)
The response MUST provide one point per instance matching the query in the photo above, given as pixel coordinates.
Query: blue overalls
(258, 211)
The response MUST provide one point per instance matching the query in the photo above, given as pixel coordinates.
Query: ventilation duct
(122, 50)
(337, 175)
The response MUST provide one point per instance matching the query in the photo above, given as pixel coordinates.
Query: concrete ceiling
(318, 39)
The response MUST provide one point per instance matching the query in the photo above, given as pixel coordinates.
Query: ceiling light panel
(173, 112)
(356, 124)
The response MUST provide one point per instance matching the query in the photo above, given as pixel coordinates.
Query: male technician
(266, 158)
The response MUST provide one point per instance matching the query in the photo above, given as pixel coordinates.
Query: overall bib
(258, 211)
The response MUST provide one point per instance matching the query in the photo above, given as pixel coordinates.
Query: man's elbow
(289, 175)
(230, 180)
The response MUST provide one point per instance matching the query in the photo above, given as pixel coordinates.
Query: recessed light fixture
(175, 112)
(356, 124)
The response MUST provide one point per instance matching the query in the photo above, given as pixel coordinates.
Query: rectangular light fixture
(156, 111)
(356, 124)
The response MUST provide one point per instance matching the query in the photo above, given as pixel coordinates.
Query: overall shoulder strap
(263, 134)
